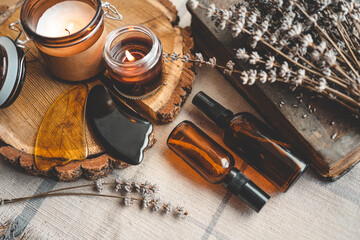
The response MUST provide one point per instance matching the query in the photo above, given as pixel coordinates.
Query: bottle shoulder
(241, 119)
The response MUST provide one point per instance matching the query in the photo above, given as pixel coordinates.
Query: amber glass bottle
(256, 143)
(214, 163)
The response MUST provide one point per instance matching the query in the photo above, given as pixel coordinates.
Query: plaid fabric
(311, 209)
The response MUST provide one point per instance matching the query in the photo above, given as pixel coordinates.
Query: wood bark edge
(170, 110)
(94, 167)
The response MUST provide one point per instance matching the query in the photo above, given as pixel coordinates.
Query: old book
(328, 137)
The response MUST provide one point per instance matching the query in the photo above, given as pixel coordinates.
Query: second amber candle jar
(133, 55)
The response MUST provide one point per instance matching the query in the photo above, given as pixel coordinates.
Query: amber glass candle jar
(73, 57)
(133, 56)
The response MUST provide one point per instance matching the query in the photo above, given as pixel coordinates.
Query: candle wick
(129, 56)
(67, 31)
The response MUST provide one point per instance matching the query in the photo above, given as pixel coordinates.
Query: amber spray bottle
(214, 163)
(256, 143)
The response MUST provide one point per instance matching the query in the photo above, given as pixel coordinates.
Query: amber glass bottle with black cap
(214, 163)
(256, 143)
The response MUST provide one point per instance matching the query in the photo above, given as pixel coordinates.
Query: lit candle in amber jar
(70, 35)
(65, 18)
(133, 55)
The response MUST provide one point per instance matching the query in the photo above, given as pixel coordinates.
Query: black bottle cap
(212, 109)
(245, 189)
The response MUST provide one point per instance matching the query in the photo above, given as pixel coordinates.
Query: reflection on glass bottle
(263, 149)
(214, 163)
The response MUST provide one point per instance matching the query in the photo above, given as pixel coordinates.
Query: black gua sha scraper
(123, 133)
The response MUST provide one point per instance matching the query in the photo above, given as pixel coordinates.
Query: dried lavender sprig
(253, 24)
(257, 31)
(251, 77)
(154, 203)
(328, 38)
(301, 79)
(135, 186)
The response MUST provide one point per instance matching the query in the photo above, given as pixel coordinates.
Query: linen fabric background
(311, 209)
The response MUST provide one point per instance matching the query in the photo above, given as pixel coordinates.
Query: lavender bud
(269, 64)
(244, 77)
(254, 58)
(272, 76)
(193, 4)
(263, 76)
(322, 85)
(210, 10)
(241, 54)
(252, 77)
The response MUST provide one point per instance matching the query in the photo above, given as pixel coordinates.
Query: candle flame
(70, 28)
(129, 56)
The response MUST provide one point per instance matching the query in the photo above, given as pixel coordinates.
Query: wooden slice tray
(20, 122)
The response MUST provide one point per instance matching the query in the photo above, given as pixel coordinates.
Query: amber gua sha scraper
(61, 137)
(123, 133)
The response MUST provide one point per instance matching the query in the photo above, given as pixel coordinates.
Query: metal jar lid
(12, 71)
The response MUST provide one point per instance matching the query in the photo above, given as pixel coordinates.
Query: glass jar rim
(69, 40)
(125, 29)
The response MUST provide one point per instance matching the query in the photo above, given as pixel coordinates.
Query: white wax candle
(65, 18)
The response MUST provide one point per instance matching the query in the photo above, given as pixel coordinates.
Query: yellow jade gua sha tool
(61, 137)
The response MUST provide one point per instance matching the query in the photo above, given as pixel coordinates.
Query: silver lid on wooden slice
(12, 71)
